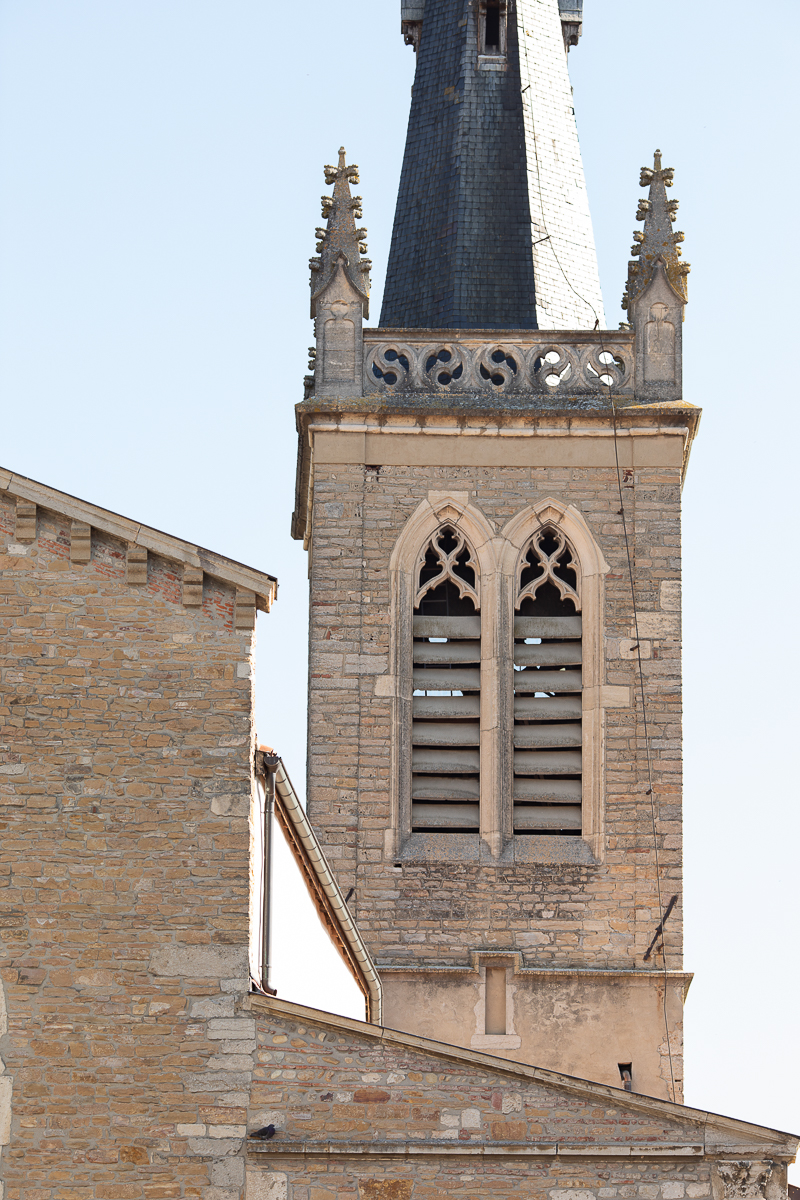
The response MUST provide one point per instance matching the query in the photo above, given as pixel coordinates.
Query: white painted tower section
(565, 260)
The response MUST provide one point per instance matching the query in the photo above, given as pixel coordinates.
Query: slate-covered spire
(658, 240)
(341, 242)
(492, 228)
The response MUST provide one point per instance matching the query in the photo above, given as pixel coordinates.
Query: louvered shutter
(547, 691)
(445, 779)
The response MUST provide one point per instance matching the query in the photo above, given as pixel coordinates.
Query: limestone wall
(125, 783)
(363, 1115)
(558, 913)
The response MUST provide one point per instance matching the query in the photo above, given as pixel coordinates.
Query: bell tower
(489, 491)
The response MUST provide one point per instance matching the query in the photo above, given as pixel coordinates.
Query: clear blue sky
(161, 166)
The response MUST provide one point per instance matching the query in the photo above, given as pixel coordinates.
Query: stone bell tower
(489, 490)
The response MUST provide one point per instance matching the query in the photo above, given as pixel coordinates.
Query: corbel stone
(136, 565)
(245, 610)
(80, 543)
(25, 525)
(192, 586)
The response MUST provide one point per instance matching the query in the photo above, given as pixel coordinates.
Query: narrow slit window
(547, 689)
(495, 1017)
(445, 732)
(493, 27)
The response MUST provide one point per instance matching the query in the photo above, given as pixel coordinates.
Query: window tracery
(447, 557)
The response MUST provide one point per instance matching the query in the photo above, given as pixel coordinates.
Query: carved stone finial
(658, 241)
(340, 242)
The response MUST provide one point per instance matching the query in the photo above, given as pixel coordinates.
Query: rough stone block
(245, 617)
(198, 962)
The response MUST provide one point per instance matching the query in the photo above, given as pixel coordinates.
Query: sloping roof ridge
(323, 888)
(775, 1138)
(134, 533)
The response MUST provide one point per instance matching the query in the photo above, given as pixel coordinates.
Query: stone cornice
(469, 417)
(557, 1150)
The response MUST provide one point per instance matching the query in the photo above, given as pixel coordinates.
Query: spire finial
(658, 240)
(341, 241)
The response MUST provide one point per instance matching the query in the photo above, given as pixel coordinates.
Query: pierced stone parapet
(572, 364)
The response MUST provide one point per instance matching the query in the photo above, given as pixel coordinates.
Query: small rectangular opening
(495, 1000)
(626, 1075)
(492, 28)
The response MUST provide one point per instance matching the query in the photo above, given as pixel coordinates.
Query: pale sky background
(161, 164)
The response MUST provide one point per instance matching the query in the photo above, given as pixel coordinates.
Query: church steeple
(492, 228)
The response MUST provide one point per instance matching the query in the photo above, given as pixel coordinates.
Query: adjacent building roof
(603, 1122)
(325, 892)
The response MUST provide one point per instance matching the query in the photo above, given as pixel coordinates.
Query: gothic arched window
(445, 736)
(547, 687)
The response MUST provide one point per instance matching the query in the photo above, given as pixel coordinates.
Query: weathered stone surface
(125, 908)
(266, 1184)
(466, 1125)
(435, 900)
(199, 962)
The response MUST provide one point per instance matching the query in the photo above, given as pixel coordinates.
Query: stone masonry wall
(558, 915)
(125, 780)
(368, 1118)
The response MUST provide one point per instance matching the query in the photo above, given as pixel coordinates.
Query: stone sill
(496, 1041)
(492, 62)
(470, 847)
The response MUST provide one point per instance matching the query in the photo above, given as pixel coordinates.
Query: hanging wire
(613, 407)
(644, 724)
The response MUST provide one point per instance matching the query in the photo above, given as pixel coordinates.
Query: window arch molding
(591, 569)
(438, 510)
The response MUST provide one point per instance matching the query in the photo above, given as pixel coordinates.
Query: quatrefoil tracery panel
(455, 558)
(550, 553)
(493, 368)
